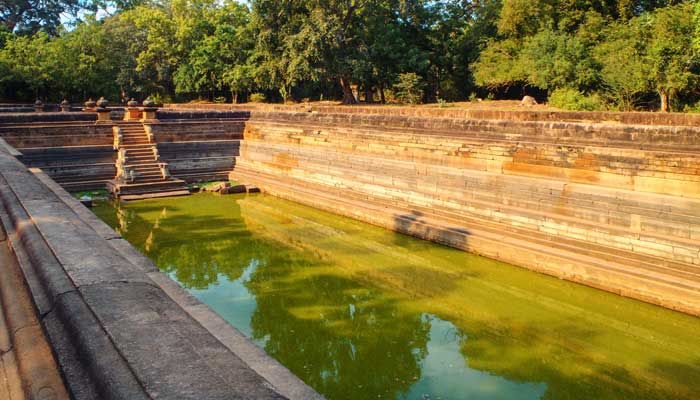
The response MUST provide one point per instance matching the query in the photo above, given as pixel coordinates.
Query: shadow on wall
(416, 224)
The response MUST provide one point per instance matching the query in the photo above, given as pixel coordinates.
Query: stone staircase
(141, 174)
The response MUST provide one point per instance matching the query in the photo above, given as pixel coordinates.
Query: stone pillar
(132, 111)
(149, 110)
(102, 111)
(38, 106)
(65, 106)
(90, 105)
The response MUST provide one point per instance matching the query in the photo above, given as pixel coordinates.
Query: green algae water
(359, 312)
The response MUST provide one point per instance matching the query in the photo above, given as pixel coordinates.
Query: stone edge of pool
(120, 328)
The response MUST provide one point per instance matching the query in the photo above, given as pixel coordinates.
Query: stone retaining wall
(199, 145)
(611, 206)
(525, 114)
(77, 152)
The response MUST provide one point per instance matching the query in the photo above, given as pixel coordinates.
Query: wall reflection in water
(359, 312)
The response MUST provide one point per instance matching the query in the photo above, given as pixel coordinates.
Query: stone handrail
(118, 137)
(149, 133)
(164, 170)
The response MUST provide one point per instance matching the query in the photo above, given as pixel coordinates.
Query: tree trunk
(369, 95)
(665, 100)
(234, 97)
(381, 92)
(348, 95)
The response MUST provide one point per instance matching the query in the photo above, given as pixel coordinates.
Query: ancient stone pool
(359, 312)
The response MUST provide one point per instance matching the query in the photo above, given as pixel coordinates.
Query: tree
(215, 47)
(673, 65)
(624, 72)
(30, 16)
(499, 65)
(27, 58)
(409, 88)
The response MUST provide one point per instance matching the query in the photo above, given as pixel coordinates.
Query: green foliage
(257, 98)
(572, 99)
(625, 52)
(499, 66)
(696, 24)
(409, 88)
(624, 73)
(673, 65)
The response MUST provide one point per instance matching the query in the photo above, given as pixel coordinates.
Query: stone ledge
(642, 118)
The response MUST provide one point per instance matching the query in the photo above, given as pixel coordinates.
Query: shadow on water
(360, 312)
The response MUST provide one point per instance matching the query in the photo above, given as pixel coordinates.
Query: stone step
(149, 177)
(140, 150)
(140, 158)
(580, 266)
(145, 187)
(153, 195)
(607, 253)
(135, 142)
(146, 173)
(436, 209)
(484, 198)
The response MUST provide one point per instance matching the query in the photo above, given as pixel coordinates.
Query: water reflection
(359, 312)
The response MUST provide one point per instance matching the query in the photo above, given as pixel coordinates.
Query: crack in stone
(126, 281)
(56, 299)
(9, 350)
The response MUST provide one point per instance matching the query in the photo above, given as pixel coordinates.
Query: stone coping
(681, 138)
(15, 118)
(118, 326)
(634, 118)
(169, 114)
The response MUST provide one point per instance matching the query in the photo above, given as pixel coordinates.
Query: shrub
(257, 98)
(443, 103)
(572, 99)
(694, 108)
(220, 99)
(409, 88)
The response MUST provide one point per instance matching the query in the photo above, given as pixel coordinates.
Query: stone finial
(65, 102)
(132, 103)
(90, 103)
(102, 103)
(38, 103)
(149, 102)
